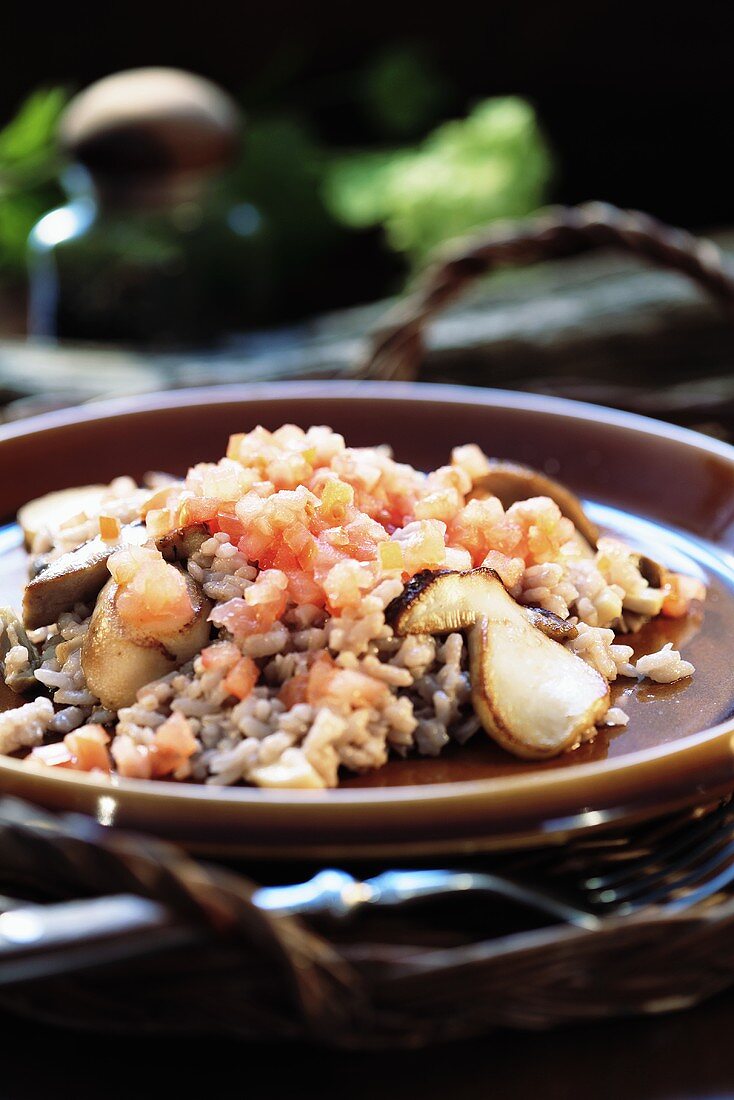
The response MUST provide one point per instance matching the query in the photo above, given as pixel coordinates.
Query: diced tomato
(153, 594)
(284, 559)
(220, 655)
(302, 588)
(299, 539)
(229, 523)
(175, 735)
(294, 691)
(88, 746)
(264, 603)
(132, 761)
(237, 617)
(173, 745)
(681, 592)
(258, 543)
(83, 750)
(364, 537)
(241, 679)
(54, 756)
(201, 510)
(361, 690)
(327, 556)
(482, 526)
(344, 686)
(674, 607)
(320, 675)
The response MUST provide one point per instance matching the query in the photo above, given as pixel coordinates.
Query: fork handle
(40, 941)
(37, 941)
(338, 895)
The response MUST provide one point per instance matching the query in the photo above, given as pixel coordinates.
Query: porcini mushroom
(183, 543)
(77, 576)
(453, 604)
(534, 696)
(72, 578)
(118, 658)
(53, 509)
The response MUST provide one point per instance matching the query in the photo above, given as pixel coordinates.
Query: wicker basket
(397, 345)
(407, 979)
(216, 962)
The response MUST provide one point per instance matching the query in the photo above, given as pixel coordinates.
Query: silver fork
(676, 867)
(694, 861)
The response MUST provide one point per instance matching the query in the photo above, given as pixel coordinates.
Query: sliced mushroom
(533, 696)
(511, 481)
(455, 603)
(654, 573)
(553, 626)
(12, 633)
(53, 509)
(73, 578)
(78, 576)
(118, 661)
(183, 543)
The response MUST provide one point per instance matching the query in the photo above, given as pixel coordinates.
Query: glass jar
(148, 251)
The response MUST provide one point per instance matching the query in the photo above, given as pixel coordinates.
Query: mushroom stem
(534, 696)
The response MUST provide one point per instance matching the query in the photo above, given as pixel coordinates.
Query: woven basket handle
(397, 345)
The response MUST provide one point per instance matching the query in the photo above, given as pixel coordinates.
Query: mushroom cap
(152, 121)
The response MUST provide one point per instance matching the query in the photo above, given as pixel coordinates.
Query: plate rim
(158, 400)
(716, 743)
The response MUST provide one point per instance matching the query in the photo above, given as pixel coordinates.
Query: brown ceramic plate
(668, 490)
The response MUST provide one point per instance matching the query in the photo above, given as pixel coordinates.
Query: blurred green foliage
(402, 92)
(340, 225)
(28, 172)
(280, 172)
(493, 164)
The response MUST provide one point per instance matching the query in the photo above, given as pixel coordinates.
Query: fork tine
(668, 885)
(708, 889)
(642, 884)
(681, 841)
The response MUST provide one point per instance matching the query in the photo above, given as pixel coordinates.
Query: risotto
(302, 609)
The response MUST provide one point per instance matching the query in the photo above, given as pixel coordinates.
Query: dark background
(635, 97)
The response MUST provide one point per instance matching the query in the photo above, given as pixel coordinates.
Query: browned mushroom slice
(77, 577)
(73, 578)
(511, 481)
(118, 660)
(654, 573)
(183, 543)
(560, 630)
(453, 605)
(532, 695)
